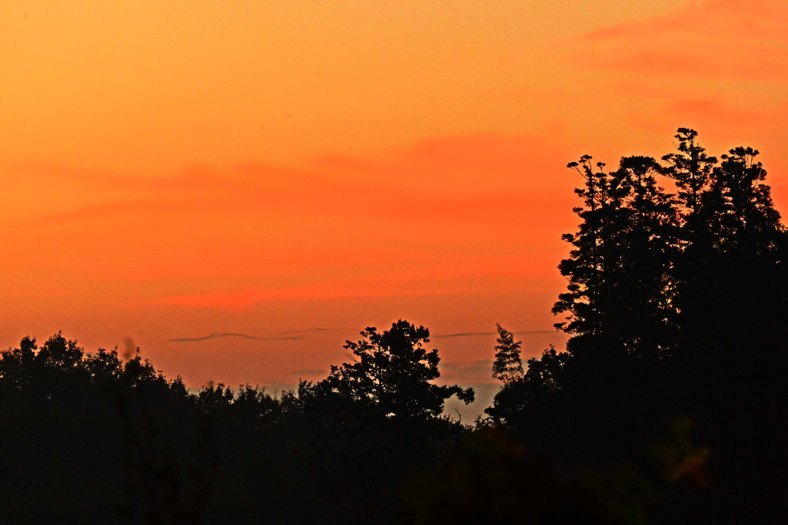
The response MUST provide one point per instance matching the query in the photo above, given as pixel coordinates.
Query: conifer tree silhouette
(508, 365)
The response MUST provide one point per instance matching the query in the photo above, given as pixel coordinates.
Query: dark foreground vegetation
(668, 405)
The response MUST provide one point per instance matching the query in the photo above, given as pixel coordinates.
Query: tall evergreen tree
(585, 267)
(691, 168)
(641, 250)
(508, 365)
(619, 291)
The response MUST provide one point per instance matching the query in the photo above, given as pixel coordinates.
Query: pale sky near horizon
(238, 187)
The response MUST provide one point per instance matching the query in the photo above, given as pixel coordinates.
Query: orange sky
(282, 174)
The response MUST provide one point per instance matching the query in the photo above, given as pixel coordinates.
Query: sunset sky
(238, 187)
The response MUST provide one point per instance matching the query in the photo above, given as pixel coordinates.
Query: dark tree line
(97, 438)
(668, 405)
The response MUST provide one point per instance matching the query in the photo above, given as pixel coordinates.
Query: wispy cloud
(487, 334)
(421, 220)
(219, 335)
(310, 372)
(463, 334)
(316, 330)
(285, 335)
(249, 297)
(728, 39)
(473, 372)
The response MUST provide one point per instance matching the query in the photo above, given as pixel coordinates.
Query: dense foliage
(668, 405)
(674, 370)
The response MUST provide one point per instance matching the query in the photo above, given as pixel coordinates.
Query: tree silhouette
(392, 374)
(508, 365)
(585, 267)
(691, 168)
(619, 295)
(523, 398)
(675, 306)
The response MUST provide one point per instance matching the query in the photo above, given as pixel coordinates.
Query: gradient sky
(238, 187)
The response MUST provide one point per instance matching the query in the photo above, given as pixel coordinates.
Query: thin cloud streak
(284, 336)
(316, 330)
(709, 40)
(485, 334)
